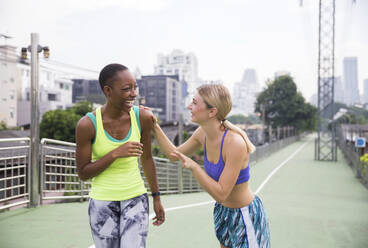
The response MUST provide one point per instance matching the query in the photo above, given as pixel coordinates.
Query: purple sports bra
(215, 170)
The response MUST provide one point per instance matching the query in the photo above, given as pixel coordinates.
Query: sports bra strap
(222, 141)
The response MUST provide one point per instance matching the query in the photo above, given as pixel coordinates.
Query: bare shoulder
(85, 128)
(198, 135)
(85, 123)
(235, 142)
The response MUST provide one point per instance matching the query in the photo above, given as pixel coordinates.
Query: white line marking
(278, 167)
(257, 191)
(185, 206)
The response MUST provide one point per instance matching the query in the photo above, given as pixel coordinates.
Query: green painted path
(309, 204)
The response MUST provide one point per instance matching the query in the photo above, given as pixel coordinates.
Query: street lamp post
(34, 165)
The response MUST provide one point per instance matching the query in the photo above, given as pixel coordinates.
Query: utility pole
(34, 165)
(325, 144)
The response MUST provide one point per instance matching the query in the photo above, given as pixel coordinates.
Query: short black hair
(108, 73)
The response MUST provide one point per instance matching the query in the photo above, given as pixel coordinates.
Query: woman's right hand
(153, 117)
(129, 149)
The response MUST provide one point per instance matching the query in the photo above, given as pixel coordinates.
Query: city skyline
(227, 37)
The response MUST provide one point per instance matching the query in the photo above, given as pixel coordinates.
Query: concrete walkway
(309, 204)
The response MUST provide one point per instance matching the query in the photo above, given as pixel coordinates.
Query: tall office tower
(182, 64)
(245, 93)
(338, 90)
(365, 96)
(351, 80)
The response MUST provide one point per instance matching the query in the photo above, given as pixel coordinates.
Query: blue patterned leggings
(245, 227)
(119, 224)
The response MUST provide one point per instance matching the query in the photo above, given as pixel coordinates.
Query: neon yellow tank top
(122, 179)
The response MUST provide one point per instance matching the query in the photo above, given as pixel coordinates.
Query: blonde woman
(239, 216)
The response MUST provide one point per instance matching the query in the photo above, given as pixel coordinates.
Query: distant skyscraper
(182, 64)
(245, 93)
(338, 90)
(351, 80)
(365, 98)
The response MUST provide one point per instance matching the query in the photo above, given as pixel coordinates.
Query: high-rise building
(351, 80)
(365, 96)
(184, 65)
(245, 93)
(163, 93)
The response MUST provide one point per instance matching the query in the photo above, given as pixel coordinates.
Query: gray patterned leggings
(119, 224)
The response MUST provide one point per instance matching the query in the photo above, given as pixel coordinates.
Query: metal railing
(265, 150)
(346, 135)
(14, 175)
(58, 174)
(59, 177)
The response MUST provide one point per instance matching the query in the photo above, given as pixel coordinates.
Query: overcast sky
(226, 36)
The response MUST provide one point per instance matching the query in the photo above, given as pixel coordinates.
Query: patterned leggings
(119, 224)
(245, 227)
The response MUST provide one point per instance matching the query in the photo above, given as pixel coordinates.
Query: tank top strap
(222, 141)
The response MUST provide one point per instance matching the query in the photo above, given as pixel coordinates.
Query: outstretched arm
(148, 165)
(187, 148)
(220, 190)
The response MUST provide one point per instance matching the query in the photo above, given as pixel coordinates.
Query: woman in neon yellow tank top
(109, 142)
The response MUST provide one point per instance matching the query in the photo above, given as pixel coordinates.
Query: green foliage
(241, 119)
(3, 125)
(237, 119)
(284, 106)
(82, 108)
(60, 124)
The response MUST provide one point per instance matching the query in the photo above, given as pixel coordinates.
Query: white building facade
(55, 86)
(184, 65)
(245, 93)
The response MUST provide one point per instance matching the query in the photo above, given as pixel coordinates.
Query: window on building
(4, 99)
(11, 97)
(67, 87)
(11, 114)
(176, 71)
(12, 79)
(59, 107)
(51, 97)
(169, 71)
(61, 86)
(161, 71)
(27, 96)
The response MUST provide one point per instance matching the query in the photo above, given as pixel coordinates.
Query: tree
(60, 124)
(284, 106)
(237, 119)
(82, 108)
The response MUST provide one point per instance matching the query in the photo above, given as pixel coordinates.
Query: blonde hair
(218, 96)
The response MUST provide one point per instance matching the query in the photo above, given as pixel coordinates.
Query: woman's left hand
(186, 162)
(159, 211)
